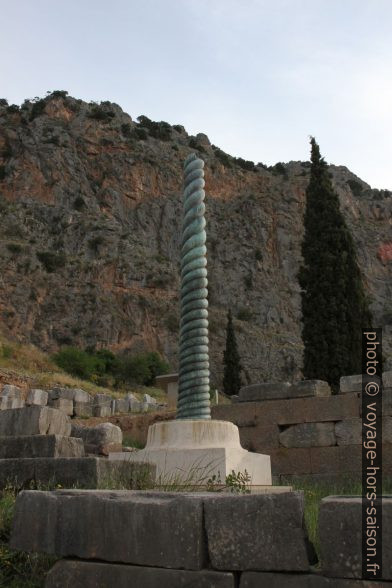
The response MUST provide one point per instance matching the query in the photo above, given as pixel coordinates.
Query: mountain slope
(90, 228)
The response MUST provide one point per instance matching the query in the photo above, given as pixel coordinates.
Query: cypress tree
(231, 360)
(334, 306)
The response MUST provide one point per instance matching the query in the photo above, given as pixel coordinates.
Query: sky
(257, 76)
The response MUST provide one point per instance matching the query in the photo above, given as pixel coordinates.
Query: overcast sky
(257, 76)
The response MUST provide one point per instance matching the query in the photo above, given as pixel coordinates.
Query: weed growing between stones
(315, 491)
(18, 569)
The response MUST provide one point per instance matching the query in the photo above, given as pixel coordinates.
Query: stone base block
(73, 472)
(178, 530)
(340, 532)
(89, 574)
(275, 391)
(186, 451)
(37, 397)
(8, 403)
(34, 420)
(40, 446)
(63, 404)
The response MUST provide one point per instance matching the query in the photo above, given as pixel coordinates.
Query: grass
(314, 492)
(18, 569)
(27, 362)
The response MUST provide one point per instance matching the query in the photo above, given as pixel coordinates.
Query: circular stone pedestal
(191, 452)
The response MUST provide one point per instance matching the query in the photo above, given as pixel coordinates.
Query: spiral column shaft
(194, 374)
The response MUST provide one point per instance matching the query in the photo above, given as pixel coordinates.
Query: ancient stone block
(84, 472)
(387, 379)
(294, 461)
(83, 409)
(305, 388)
(121, 405)
(75, 394)
(265, 391)
(340, 531)
(259, 438)
(91, 574)
(7, 402)
(40, 446)
(308, 435)
(102, 411)
(348, 432)
(101, 439)
(64, 404)
(242, 414)
(146, 529)
(37, 397)
(256, 532)
(276, 580)
(34, 420)
(351, 384)
(10, 391)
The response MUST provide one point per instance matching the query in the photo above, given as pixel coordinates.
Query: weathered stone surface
(387, 379)
(83, 409)
(93, 574)
(64, 404)
(340, 531)
(284, 390)
(311, 388)
(86, 472)
(8, 403)
(308, 435)
(147, 529)
(295, 461)
(257, 532)
(265, 391)
(349, 432)
(102, 439)
(121, 405)
(276, 580)
(40, 446)
(34, 420)
(351, 384)
(102, 410)
(75, 394)
(10, 391)
(37, 397)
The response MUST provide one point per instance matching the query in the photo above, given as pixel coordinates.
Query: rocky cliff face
(90, 227)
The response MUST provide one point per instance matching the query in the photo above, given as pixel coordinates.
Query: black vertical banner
(372, 454)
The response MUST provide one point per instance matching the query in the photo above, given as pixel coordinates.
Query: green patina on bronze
(194, 375)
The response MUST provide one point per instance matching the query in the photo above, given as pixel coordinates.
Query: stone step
(34, 420)
(176, 530)
(91, 574)
(40, 446)
(73, 472)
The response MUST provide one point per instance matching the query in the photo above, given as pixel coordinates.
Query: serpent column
(194, 375)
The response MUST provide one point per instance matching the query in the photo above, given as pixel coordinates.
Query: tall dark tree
(231, 361)
(334, 305)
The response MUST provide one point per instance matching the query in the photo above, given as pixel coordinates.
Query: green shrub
(59, 94)
(79, 203)
(244, 314)
(142, 368)
(258, 255)
(223, 157)
(355, 187)
(101, 112)
(278, 169)
(79, 363)
(51, 261)
(160, 130)
(37, 108)
(14, 247)
(3, 172)
(245, 164)
(172, 322)
(95, 242)
(248, 281)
